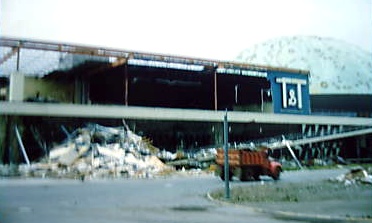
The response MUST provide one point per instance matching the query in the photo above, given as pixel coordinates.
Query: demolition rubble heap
(97, 152)
(355, 176)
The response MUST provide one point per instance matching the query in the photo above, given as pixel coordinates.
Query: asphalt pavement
(178, 199)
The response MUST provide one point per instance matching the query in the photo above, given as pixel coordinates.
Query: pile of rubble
(98, 151)
(354, 176)
(202, 158)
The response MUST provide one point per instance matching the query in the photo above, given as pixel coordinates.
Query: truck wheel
(243, 175)
(276, 174)
(256, 176)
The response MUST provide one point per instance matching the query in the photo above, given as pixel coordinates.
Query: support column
(303, 129)
(217, 133)
(84, 98)
(316, 131)
(77, 91)
(358, 145)
(321, 130)
(215, 90)
(3, 128)
(329, 129)
(126, 84)
(12, 154)
(16, 86)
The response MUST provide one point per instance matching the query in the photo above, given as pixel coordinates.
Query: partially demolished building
(49, 90)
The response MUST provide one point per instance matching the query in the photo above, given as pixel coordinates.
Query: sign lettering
(291, 97)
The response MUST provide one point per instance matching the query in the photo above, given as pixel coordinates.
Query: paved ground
(173, 199)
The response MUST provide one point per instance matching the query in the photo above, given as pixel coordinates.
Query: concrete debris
(9, 170)
(97, 151)
(202, 158)
(290, 163)
(354, 176)
(167, 156)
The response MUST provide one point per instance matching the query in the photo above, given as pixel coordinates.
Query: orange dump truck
(246, 164)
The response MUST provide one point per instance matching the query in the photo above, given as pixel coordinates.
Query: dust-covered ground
(320, 197)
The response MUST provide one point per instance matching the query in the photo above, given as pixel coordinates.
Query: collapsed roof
(34, 58)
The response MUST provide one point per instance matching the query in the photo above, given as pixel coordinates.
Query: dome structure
(336, 67)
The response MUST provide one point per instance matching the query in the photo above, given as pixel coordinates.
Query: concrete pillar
(16, 86)
(358, 145)
(9, 149)
(217, 133)
(363, 141)
(80, 89)
(325, 151)
(321, 130)
(316, 131)
(310, 130)
(334, 129)
(126, 85)
(338, 149)
(303, 129)
(3, 124)
(329, 129)
(215, 90)
(11, 144)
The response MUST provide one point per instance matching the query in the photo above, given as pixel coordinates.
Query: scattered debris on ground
(314, 196)
(354, 176)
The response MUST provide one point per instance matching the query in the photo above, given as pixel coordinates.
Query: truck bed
(247, 164)
(243, 157)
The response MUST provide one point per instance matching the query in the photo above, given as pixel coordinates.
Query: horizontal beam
(332, 137)
(168, 114)
(317, 139)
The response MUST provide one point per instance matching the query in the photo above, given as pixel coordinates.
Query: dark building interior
(172, 88)
(342, 105)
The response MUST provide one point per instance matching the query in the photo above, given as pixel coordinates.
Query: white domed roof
(335, 67)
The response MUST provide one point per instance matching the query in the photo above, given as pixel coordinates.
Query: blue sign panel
(290, 92)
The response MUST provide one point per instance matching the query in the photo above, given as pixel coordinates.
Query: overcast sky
(217, 29)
